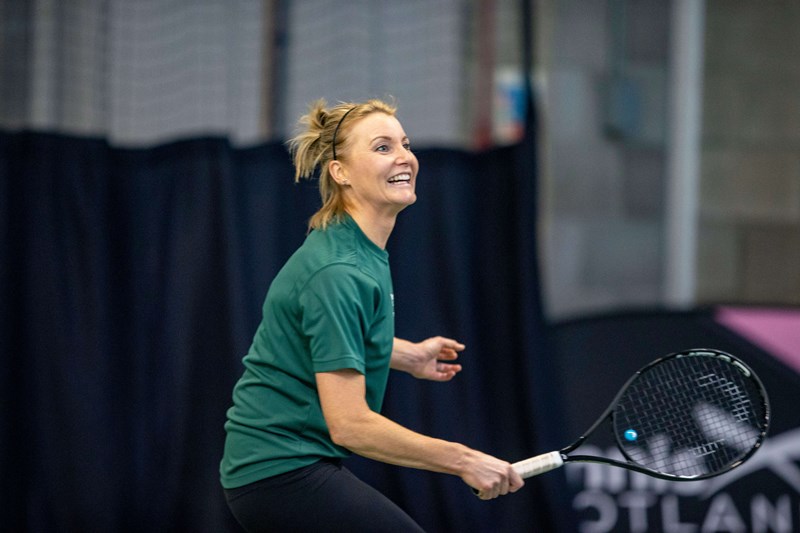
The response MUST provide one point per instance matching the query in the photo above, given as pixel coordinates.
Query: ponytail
(312, 149)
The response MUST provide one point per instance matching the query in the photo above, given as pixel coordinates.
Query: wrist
(463, 459)
(404, 355)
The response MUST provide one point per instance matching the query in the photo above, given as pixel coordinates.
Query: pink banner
(774, 330)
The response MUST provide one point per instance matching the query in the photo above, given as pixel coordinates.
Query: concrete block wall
(749, 238)
(603, 223)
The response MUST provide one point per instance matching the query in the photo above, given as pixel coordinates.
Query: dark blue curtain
(132, 282)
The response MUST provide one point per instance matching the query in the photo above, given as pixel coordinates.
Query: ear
(338, 172)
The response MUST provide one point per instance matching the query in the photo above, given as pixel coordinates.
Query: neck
(376, 228)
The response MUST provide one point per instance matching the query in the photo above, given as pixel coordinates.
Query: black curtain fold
(132, 284)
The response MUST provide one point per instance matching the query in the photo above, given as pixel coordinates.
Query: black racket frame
(629, 464)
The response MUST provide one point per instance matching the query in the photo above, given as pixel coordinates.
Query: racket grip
(539, 464)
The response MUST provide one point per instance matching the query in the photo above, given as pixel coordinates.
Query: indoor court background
(602, 182)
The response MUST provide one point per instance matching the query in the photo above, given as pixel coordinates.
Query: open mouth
(400, 178)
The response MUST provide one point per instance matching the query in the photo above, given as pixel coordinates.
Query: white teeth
(400, 177)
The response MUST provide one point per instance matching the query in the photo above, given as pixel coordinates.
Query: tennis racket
(686, 416)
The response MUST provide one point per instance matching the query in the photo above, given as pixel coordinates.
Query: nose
(404, 157)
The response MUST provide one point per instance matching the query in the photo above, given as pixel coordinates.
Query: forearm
(403, 353)
(353, 425)
(376, 437)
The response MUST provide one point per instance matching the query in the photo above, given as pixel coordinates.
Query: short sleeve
(336, 306)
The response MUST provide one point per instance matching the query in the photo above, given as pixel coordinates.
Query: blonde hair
(312, 149)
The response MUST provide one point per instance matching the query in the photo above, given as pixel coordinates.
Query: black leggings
(324, 496)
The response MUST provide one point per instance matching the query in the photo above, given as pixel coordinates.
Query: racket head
(691, 415)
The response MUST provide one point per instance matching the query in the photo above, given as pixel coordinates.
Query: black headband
(333, 143)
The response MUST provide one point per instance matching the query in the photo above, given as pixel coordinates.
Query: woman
(315, 375)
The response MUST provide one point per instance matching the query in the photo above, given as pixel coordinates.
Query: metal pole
(683, 159)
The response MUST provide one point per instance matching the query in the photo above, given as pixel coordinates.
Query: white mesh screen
(145, 72)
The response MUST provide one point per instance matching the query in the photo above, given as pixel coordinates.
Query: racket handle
(539, 464)
(535, 466)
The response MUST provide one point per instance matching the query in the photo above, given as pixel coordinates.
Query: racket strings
(689, 416)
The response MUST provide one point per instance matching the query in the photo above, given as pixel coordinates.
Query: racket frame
(630, 465)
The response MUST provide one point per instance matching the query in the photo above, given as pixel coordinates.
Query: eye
(407, 146)
(382, 148)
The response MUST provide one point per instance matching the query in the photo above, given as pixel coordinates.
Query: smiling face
(377, 168)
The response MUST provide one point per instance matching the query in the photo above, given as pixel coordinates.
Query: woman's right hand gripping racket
(686, 416)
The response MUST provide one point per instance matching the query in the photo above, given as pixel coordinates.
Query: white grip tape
(539, 464)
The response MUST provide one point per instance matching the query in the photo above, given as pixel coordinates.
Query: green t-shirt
(329, 308)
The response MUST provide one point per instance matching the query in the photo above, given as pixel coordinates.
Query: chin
(405, 203)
